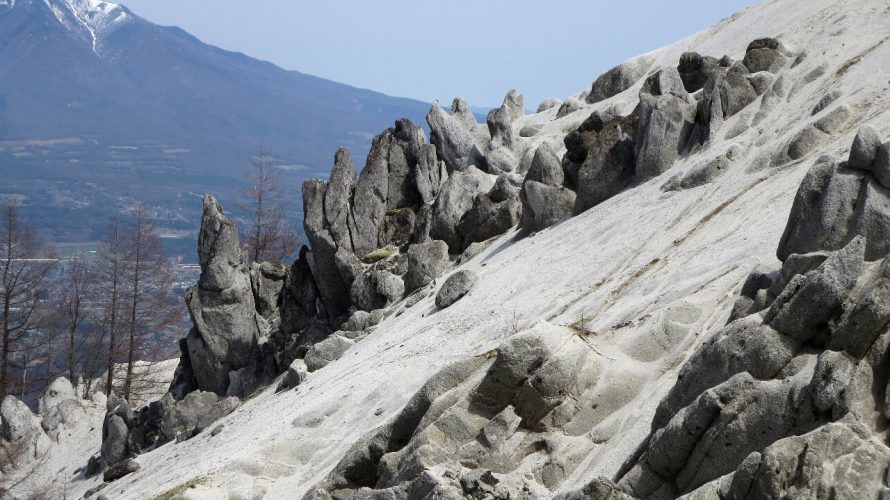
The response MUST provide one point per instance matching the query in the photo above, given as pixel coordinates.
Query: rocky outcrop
(225, 333)
(493, 213)
(127, 433)
(665, 113)
(834, 204)
(545, 198)
(609, 153)
(454, 142)
(456, 199)
(600, 158)
(389, 205)
(794, 389)
(470, 431)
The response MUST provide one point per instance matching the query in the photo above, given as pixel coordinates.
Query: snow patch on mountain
(90, 19)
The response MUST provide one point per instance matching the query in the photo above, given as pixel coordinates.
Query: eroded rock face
(455, 200)
(493, 213)
(466, 432)
(781, 401)
(666, 111)
(222, 306)
(834, 205)
(600, 158)
(453, 140)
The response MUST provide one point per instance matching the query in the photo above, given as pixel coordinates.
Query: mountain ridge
(671, 285)
(155, 105)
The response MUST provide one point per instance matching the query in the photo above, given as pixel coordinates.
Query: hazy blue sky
(429, 50)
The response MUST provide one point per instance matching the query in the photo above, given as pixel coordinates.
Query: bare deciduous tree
(269, 234)
(73, 312)
(24, 267)
(112, 262)
(150, 305)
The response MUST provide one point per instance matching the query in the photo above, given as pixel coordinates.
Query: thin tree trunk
(112, 336)
(134, 304)
(7, 298)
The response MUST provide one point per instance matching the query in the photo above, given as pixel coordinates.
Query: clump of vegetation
(380, 254)
(169, 494)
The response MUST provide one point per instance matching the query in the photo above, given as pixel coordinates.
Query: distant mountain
(100, 108)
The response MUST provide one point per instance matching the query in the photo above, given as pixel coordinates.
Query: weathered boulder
(514, 103)
(746, 345)
(548, 104)
(762, 81)
(500, 160)
(869, 315)
(543, 196)
(699, 174)
(454, 143)
(456, 199)
(323, 353)
(182, 419)
(370, 200)
(665, 112)
(460, 110)
(114, 439)
(17, 419)
(546, 167)
(115, 405)
(431, 174)
(695, 70)
(337, 202)
(544, 206)
(766, 54)
(455, 288)
(715, 433)
(296, 374)
(59, 390)
(881, 166)
(493, 213)
(408, 139)
(267, 281)
(66, 413)
(121, 469)
(808, 466)
(571, 105)
(389, 285)
(608, 163)
(736, 90)
(865, 149)
(618, 79)
(500, 126)
(221, 304)
(833, 205)
(358, 321)
(832, 375)
(810, 301)
(365, 294)
(426, 262)
(599, 489)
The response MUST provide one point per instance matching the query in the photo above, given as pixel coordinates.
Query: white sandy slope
(629, 268)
